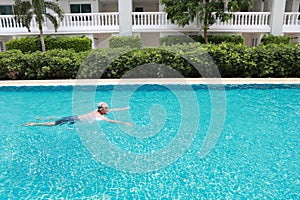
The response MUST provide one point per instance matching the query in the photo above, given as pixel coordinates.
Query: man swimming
(96, 115)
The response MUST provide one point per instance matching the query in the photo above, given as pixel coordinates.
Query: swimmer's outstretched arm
(117, 122)
(120, 109)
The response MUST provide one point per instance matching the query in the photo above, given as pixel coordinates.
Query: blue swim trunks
(70, 120)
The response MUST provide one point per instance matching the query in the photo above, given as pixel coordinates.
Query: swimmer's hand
(126, 108)
(127, 123)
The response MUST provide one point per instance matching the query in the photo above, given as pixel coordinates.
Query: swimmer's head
(102, 106)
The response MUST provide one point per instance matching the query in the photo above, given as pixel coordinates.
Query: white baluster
(5, 22)
(293, 19)
(231, 20)
(65, 21)
(8, 22)
(133, 19)
(152, 20)
(140, 19)
(97, 23)
(69, 21)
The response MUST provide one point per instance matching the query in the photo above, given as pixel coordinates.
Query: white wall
(108, 6)
(150, 39)
(249, 38)
(292, 6)
(7, 2)
(101, 40)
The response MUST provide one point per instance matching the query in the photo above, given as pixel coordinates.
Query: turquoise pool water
(255, 156)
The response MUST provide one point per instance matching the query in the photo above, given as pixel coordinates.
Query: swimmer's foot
(29, 124)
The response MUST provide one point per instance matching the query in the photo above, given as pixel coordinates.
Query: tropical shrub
(53, 64)
(125, 41)
(32, 44)
(186, 60)
(218, 39)
(175, 39)
(272, 39)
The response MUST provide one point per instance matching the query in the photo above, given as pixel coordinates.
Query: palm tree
(26, 10)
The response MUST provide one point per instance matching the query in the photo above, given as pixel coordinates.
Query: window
(81, 8)
(139, 9)
(254, 42)
(6, 10)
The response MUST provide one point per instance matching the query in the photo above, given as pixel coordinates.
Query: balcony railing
(90, 22)
(148, 22)
(245, 21)
(291, 22)
(157, 21)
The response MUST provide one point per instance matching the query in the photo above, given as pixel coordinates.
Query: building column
(161, 7)
(277, 13)
(295, 5)
(91, 36)
(226, 5)
(125, 17)
(262, 6)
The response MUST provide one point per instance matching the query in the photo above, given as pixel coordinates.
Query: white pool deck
(142, 81)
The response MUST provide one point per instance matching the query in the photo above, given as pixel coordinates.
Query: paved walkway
(151, 81)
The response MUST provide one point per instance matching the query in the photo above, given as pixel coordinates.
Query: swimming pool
(254, 156)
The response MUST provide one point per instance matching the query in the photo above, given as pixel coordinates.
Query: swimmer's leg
(40, 124)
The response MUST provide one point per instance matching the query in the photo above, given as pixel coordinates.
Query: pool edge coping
(141, 81)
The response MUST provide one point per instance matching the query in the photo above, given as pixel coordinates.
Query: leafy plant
(25, 11)
(205, 11)
(271, 39)
(125, 41)
(32, 44)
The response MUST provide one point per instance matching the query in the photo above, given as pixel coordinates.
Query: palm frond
(23, 13)
(53, 20)
(55, 7)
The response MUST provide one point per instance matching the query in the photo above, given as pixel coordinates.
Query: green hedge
(271, 39)
(188, 60)
(262, 61)
(125, 41)
(212, 39)
(32, 44)
(175, 39)
(53, 64)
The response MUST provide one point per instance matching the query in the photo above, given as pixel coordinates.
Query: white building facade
(100, 19)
